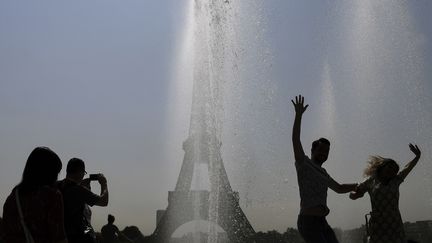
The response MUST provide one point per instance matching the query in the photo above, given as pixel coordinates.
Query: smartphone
(93, 177)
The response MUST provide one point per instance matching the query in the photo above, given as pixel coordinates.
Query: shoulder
(83, 194)
(367, 183)
(67, 186)
(331, 182)
(73, 192)
(398, 180)
(12, 194)
(302, 161)
(10, 202)
(323, 170)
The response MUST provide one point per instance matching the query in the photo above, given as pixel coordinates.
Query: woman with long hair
(382, 184)
(33, 212)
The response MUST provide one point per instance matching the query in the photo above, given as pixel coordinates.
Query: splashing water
(211, 62)
(376, 65)
(372, 99)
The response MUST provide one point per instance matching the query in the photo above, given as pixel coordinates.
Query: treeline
(132, 233)
(291, 235)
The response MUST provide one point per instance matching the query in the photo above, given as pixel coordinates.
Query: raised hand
(299, 105)
(407, 169)
(299, 109)
(415, 149)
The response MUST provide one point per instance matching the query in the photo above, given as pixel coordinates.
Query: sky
(99, 80)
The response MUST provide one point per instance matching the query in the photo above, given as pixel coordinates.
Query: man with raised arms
(313, 182)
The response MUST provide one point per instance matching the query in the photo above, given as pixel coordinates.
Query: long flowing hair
(42, 168)
(376, 163)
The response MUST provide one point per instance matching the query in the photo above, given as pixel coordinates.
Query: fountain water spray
(203, 191)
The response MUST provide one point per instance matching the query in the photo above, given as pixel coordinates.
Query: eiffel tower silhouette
(219, 204)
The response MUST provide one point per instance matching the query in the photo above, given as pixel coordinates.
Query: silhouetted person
(1, 230)
(382, 184)
(33, 212)
(110, 232)
(313, 183)
(76, 197)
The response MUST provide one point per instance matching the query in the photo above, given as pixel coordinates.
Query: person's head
(41, 169)
(320, 150)
(75, 169)
(383, 168)
(111, 219)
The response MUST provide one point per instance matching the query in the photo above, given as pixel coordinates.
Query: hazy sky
(95, 80)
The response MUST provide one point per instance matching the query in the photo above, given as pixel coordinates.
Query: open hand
(299, 105)
(415, 149)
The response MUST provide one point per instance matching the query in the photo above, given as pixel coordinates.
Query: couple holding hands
(383, 178)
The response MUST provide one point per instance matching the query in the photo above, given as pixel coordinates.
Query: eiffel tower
(219, 204)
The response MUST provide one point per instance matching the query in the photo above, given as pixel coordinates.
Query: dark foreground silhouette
(34, 210)
(77, 198)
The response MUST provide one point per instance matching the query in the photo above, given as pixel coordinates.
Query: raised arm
(299, 109)
(407, 169)
(103, 201)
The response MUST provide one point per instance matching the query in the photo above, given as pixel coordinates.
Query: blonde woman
(382, 184)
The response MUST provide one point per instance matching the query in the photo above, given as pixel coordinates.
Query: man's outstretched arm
(357, 193)
(300, 108)
(344, 188)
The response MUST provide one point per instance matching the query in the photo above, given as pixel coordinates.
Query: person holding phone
(77, 196)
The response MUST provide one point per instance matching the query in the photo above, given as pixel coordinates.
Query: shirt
(43, 215)
(75, 198)
(313, 181)
(386, 222)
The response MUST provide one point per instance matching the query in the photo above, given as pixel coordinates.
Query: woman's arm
(405, 171)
